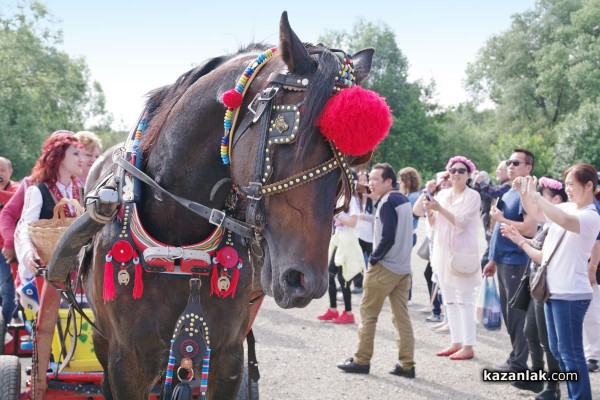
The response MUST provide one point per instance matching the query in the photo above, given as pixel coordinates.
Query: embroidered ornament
(122, 252)
(356, 120)
(233, 99)
(225, 272)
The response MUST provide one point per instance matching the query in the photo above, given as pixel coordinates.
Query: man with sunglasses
(509, 260)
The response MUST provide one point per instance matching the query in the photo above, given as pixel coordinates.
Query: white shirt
(353, 209)
(567, 271)
(32, 207)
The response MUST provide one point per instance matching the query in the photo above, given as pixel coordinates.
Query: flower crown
(461, 159)
(550, 183)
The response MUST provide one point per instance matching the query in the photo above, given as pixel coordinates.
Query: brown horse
(292, 227)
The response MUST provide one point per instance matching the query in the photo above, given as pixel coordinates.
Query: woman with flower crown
(536, 331)
(454, 217)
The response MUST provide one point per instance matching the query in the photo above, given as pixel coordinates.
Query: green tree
(542, 75)
(42, 89)
(413, 138)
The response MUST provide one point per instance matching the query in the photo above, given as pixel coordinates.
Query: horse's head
(287, 171)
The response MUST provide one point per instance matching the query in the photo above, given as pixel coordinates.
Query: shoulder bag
(423, 250)
(464, 263)
(538, 282)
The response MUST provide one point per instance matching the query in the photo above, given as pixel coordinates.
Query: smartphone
(428, 195)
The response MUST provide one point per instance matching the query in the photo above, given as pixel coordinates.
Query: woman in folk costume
(53, 178)
(345, 260)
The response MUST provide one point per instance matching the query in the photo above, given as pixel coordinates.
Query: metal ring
(189, 376)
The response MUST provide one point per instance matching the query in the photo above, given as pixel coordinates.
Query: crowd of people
(528, 223)
(60, 172)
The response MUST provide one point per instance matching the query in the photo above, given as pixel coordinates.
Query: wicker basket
(45, 233)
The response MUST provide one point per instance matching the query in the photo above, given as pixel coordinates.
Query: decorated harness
(135, 250)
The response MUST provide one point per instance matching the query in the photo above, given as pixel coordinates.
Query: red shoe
(462, 356)
(329, 315)
(344, 318)
(447, 352)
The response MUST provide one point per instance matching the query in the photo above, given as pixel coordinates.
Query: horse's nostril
(295, 279)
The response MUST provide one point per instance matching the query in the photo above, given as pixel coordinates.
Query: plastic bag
(480, 302)
(491, 313)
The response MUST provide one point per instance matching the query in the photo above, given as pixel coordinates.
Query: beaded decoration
(233, 98)
(345, 78)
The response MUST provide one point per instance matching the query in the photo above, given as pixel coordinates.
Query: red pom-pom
(232, 98)
(356, 120)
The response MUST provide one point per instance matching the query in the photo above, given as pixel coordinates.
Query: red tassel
(108, 292)
(214, 281)
(138, 284)
(234, 281)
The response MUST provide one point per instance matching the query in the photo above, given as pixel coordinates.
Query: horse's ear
(361, 160)
(292, 50)
(362, 63)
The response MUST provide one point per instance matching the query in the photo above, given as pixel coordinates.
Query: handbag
(538, 282)
(423, 250)
(464, 263)
(522, 296)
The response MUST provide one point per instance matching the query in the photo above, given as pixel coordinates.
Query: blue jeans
(565, 335)
(7, 290)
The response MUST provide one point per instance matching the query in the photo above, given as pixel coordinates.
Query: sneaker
(350, 366)
(425, 310)
(502, 367)
(328, 316)
(532, 386)
(399, 371)
(434, 318)
(344, 318)
(357, 290)
(592, 365)
(410, 302)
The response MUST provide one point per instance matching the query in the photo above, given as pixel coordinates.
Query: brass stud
(292, 136)
(267, 159)
(289, 107)
(318, 171)
(266, 174)
(291, 183)
(311, 174)
(330, 166)
(279, 187)
(295, 108)
(270, 129)
(270, 142)
(297, 180)
(304, 177)
(268, 167)
(287, 140)
(269, 190)
(285, 185)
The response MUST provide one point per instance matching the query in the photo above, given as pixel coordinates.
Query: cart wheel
(247, 392)
(10, 377)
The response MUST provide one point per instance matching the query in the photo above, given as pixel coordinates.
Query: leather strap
(555, 248)
(214, 216)
(174, 253)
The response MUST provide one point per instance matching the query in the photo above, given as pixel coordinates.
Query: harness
(279, 125)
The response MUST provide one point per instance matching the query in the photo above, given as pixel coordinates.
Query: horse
(276, 174)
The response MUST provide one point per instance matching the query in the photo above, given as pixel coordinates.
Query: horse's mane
(162, 100)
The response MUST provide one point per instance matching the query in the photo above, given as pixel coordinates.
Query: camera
(428, 195)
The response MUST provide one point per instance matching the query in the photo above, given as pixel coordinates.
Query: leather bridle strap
(214, 216)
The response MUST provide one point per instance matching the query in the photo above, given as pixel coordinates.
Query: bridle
(278, 126)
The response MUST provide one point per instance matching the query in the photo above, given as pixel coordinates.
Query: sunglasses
(459, 170)
(516, 163)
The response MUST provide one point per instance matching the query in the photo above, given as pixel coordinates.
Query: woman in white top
(53, 177)
(345, 260)
(454, 217)
(577, 222)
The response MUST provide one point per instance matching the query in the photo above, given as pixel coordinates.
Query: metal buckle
(216, 217)
(265, 95)
(176, 256)
(256, 193)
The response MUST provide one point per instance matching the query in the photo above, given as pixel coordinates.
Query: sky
(132, 47)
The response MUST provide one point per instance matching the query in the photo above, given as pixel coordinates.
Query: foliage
(542, 75)
(42, 89)
(413, 138)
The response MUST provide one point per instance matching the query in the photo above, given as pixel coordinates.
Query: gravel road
(298, 354)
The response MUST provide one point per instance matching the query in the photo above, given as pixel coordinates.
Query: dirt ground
(298, 354)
